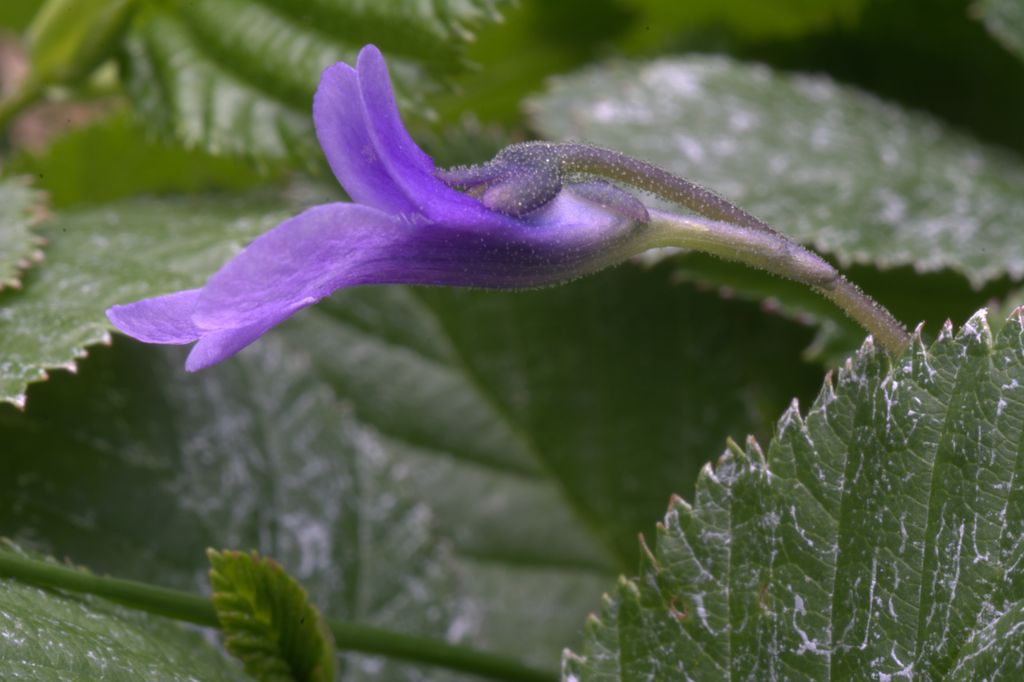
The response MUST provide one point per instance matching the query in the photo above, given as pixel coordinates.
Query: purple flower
(406, 226)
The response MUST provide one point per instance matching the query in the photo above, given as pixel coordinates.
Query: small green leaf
(237, 77)
(115, 254)
(268, 620)
(69, 38)
(1005, 20)
(880, 535)
(831, 166)
(49, 636)
(20, 246)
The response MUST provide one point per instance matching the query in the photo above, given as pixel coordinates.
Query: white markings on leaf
(914, 563)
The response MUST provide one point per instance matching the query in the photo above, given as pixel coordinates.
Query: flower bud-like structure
(538, 214)
(405, 226)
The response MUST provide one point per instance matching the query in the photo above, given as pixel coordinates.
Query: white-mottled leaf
(831, 166)
(879, 537)
(50, 636)
(20, 246)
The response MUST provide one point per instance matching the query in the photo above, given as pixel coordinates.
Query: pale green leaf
(67, 39)
(238, 77)
(833, 167)
(879, 537)
(1005, 19)
(115, 254)
(661, 21)
(268, 621)
(20, 245)
(50, 636)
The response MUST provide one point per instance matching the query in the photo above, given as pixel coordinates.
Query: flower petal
(220, 345)
(297, 263)
(407, 165)
(343, 134)
(336, 245)
(164, 319)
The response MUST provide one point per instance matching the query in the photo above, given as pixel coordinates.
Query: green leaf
(78, 167)
(833, 167)
(1005, 19)
(50, 636)
(470, 465)
(69, 38)
(994, 653)
(545, 375)
(20, 246)
(661, 21)
(268, 621)
(18, 15)
(146, 466)
(114, 254)
(878, 537)
(237, 77)
(999, 311)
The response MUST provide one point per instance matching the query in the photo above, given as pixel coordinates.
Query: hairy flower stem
(776, 254)
(199, 610)
(524, 176)
(587, 160)
(569, 161)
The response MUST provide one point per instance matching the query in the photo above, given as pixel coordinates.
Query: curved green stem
(773, 252)
(199, 610)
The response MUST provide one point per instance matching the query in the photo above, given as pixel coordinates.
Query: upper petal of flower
(407, 165)
(344, 136)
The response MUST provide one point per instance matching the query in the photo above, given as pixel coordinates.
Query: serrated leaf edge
(974, 333)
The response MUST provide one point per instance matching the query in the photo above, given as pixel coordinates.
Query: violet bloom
(406, 226)
(537, 214)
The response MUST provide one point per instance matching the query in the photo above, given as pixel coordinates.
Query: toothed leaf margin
(878, 537)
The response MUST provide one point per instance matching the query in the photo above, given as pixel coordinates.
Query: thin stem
(199, 610)
(775, 253)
